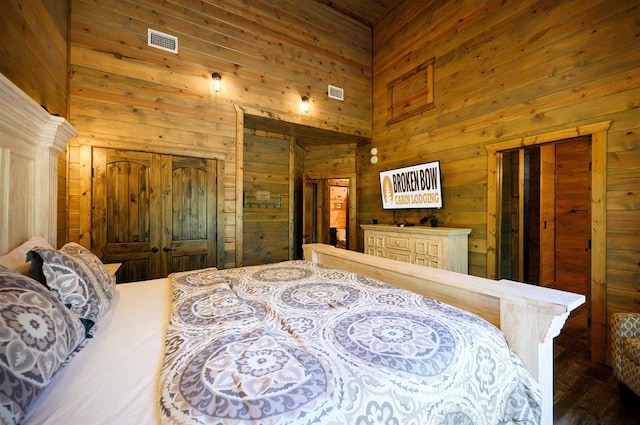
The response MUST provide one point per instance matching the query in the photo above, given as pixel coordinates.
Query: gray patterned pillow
(94, 265)
(37, 333)
(74, 274)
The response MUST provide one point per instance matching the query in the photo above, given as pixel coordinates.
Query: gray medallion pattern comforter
(299, 343)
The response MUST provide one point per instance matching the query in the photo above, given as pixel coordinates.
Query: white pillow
(16, 259)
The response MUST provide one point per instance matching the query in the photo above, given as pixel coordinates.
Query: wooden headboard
(30, 141)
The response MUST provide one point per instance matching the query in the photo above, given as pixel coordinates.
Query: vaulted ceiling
(365, 11)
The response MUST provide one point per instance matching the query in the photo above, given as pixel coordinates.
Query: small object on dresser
(432, 218)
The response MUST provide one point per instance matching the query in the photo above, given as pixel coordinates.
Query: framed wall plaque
(412, 93)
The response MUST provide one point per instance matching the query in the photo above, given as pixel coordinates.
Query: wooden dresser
(444, 248)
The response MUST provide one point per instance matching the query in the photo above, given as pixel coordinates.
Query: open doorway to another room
(545, 220)
(546, 209)
(282, 200)
(545, 232)
(326, 211)
(338, 212)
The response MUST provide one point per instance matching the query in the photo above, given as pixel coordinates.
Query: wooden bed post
(530, 316)
(530, 328)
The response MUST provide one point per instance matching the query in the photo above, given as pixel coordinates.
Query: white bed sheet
(114, 378)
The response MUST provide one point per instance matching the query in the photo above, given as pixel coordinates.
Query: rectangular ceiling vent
(162, 41)
(336, 92)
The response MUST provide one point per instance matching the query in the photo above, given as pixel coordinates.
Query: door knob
(154, 249)
(167, 249)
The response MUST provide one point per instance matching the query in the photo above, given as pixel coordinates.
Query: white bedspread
(114, 378)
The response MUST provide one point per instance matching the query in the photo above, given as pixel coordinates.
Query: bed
(217, 350)
(131, 367)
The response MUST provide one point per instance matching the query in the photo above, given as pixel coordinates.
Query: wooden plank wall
(33, 48)
(505, 70)
(33, 45)
(266, 168)
(126, 94)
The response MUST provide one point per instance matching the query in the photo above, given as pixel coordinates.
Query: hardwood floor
(586, 393)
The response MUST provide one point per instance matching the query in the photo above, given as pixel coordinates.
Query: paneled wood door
(189, 205)
(153, 213)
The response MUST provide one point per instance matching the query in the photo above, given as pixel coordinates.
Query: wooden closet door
(189, 204)
(126, 212)
(153, 213)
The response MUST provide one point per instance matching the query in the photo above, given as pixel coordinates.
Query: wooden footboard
(530, 316)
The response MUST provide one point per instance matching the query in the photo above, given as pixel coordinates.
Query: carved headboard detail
(30, 141)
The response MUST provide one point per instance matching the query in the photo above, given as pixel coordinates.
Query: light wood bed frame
(530, 316)
(31, 140)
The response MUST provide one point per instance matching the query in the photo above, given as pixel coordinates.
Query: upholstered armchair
(625, 334)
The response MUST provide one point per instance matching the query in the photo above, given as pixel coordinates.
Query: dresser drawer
(404, 256)
(375, 240)
(398, 243)
(428, 247)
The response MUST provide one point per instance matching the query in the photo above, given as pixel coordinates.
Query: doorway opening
(326, 211)
(544, 231)
(596, 217)
(338, 212)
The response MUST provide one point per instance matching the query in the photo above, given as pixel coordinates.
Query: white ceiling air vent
(335, 92)
(162, 41)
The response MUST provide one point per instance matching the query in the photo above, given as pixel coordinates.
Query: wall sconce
(216, 82)
(305, 106)
(374, 155)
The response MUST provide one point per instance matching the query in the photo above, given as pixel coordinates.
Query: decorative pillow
(80, 283)
(37, 333)
(93, 264)
(16, 259)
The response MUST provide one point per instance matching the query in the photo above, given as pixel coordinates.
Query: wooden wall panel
(505, 70)
(33, 45)
(128, 95)
(33, 48)
(326, 162)
(265, 229)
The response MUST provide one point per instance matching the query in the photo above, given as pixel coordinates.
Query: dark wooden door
(126, 204)
(316, 210)
(189, 205)
(309, 219)
(573, 216)
(153, 213)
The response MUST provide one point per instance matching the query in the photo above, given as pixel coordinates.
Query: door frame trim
(598, 132)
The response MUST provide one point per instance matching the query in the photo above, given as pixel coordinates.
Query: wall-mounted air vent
(162, 41)
(335, 92)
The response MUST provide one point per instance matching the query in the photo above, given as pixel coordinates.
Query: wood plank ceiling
(366, 11)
